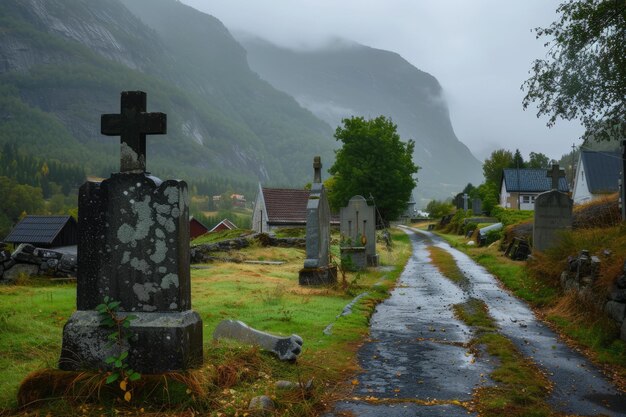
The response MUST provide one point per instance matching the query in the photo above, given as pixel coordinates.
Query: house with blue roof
(45, 232)
(520, 187)
(597, 175)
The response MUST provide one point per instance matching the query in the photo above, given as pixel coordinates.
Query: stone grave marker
(317, 269)
(358, 229)
(553, 213)
(134, 248)
(477, 206)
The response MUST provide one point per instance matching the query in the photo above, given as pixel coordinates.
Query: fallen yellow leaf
(127, 396)
(123, 385)
(355, 382)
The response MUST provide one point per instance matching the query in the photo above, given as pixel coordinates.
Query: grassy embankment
(266, 297)
(537, 282)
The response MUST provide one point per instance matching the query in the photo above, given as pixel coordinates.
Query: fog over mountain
(346, 79)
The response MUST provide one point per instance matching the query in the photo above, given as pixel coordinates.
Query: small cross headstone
(317, 268)
(132, 125)
(133, 247)
(317, 168)
(553, 213)
(465, 199)
(555, 173)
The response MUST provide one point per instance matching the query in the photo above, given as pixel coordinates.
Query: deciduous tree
(584, 74)
(373, 161)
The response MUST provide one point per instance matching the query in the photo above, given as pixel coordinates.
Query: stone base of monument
(372, 260)
(159, 342)
(318, 276)
(353, 258)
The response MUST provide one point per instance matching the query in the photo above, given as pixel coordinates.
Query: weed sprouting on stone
(119, 337)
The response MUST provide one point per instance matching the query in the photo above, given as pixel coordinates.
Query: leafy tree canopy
(584, 74)
(518, 160)
(373, 161)
(493, 166)
(539, 160)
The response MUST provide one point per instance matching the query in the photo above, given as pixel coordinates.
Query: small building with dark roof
(278, 208)
(196, 228)
(45, 231)
(597, 174)
(520, 187)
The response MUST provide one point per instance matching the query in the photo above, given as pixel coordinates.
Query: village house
(45, 232)
(278, 208)
(597, 174)
(520, 187)
(224, 225)
(196, 228)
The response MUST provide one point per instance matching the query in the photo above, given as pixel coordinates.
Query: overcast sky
(479, 50)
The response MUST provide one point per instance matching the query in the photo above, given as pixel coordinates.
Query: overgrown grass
(266, 297)
(520, 388)
(219, 236)
(446, 264)
(537, 282)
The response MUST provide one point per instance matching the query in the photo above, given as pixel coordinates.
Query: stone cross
(132, 125)
(317, 167)
(555, 174)
(465, 198)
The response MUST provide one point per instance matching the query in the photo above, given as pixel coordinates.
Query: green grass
(266, 297)
(538, 284)
(446, 264)
(521, 389)
(219, 236)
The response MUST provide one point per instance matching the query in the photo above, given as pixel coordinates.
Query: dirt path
(417, 362)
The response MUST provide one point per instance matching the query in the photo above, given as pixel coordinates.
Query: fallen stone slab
(286, 348)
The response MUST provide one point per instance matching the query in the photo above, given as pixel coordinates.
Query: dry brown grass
(600, 213)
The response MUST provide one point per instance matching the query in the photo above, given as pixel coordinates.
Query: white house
(597, 174)
(520, 187)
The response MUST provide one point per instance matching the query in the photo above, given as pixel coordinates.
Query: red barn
(224, 225)
(196, 228)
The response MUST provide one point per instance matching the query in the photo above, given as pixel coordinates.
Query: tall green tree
(493, 166)
(373, 161)
(518, 160)
(584, 75)
(539, 160)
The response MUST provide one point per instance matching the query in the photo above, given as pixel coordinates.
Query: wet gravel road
(417, 363)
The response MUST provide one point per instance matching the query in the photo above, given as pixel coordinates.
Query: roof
(194, 220)
(530, 180)
(602, 171)
(227, 223)
(38, 229)
(285, 205)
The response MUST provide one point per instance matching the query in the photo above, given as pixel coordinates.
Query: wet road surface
(416, 362)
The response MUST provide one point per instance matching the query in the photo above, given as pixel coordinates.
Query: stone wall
(29, 260)
(206, 252)
(580, 277)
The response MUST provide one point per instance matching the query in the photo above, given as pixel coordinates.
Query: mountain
(344, 79)
(64, 62)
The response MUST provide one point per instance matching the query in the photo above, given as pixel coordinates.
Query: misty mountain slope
(65, 62)
(350, 79)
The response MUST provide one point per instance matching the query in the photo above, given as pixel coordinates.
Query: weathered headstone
(134, 248)
(465, 200)
(358, 229)
(553, 213)
(317, 269)
(286, 348)
(477, 206)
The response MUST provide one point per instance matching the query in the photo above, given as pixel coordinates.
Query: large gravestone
(134, 248)
(358, 229)
(553, 213)
(317, 269)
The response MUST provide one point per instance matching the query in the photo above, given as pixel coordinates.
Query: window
(528, 199)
